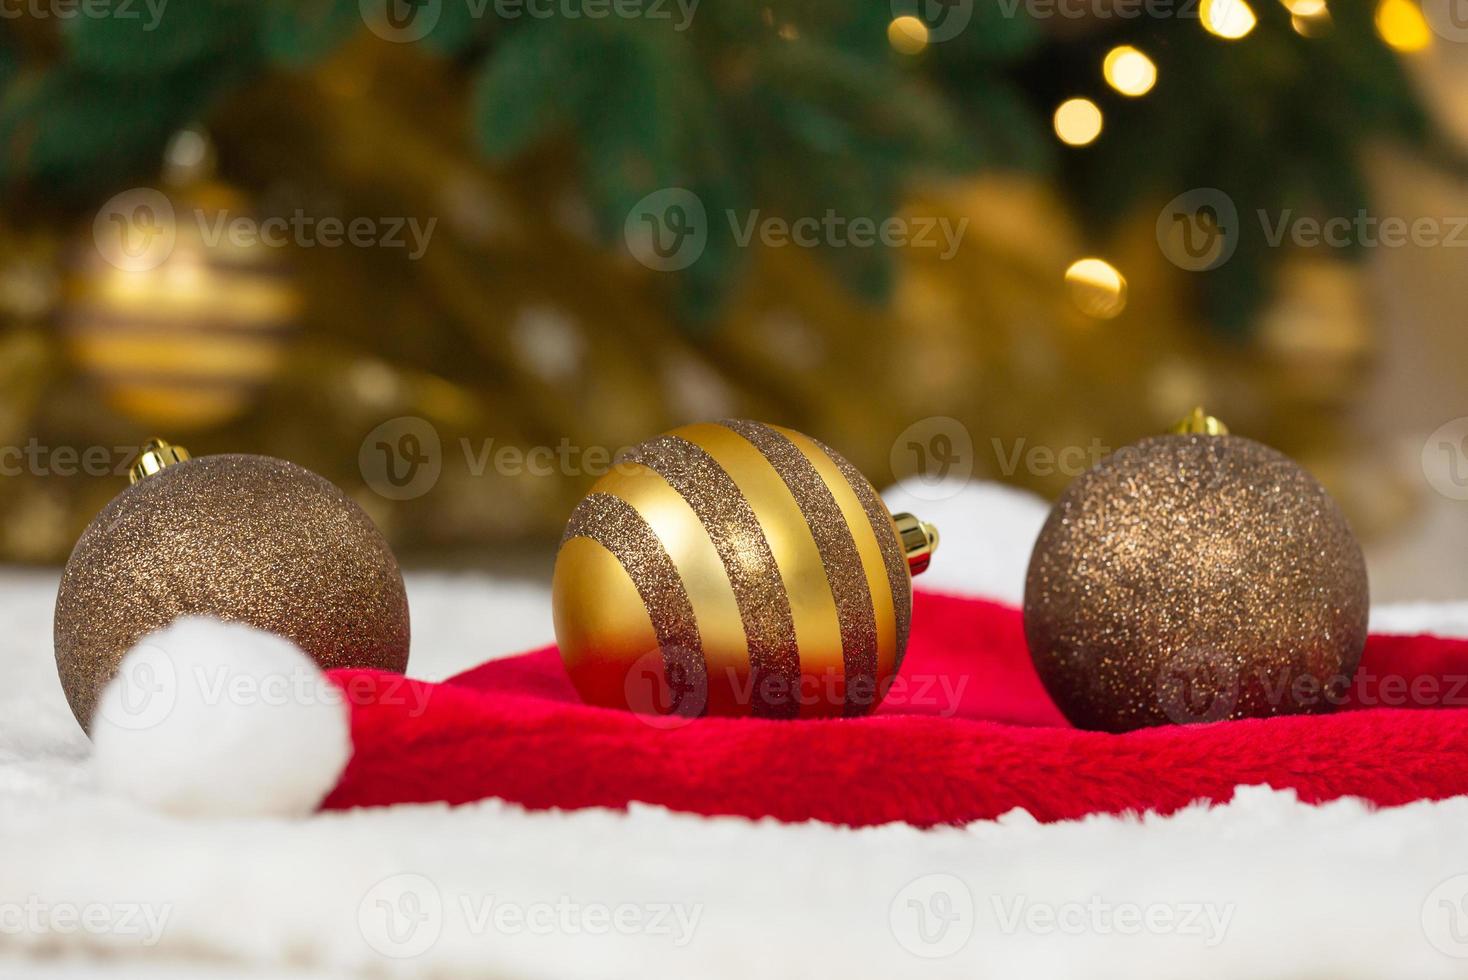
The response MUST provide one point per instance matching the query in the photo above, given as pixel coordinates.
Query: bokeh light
(1228, 19)
(1078, 121)
(1402, 26)
(1129, 71)
(907, 34)
(1096, 287)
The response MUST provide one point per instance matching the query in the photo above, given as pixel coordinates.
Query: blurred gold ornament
(1195, 577)
(247, 539)
(177, 304)
(736, 568)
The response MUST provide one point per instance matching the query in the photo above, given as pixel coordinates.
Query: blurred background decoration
(529, 140)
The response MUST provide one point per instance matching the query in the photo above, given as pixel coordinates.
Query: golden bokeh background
(521, 348)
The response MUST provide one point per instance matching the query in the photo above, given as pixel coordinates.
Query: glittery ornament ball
(1195, 578)
(732, 568)
(247, 539)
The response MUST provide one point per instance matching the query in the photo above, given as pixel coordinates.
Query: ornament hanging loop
(919, 540)
(1199, 423)
(154, 456)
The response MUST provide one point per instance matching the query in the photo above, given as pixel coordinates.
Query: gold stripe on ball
(248, 296)
(770, 623)
(893, 556)
(216, 356)
(617, 526)
(702, 572)
(845, 578)
(873, 561)
(603, 627)
(819, 662)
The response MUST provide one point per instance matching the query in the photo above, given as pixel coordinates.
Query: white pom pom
(986, 532)
(206, 718)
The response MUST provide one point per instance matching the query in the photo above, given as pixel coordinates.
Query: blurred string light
(1129, 71)
(907, 34)
(1078, 122)
(1096, 287)
(1228, 19)
(1313, 25)
(1402, 26)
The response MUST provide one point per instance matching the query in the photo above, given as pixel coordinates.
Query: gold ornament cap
(919, 541)
(155, 455)
(1199, 423)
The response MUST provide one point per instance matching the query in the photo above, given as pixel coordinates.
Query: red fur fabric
(968, 733)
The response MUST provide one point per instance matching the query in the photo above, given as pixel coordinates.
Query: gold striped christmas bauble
(177, 321)
(736, 568)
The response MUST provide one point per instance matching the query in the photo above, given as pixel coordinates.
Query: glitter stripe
(759, 589)
(892, 554)
(867, 547)
(617, 526)
(844, 574)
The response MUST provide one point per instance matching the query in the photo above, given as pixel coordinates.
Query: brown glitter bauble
(735, 568)
(1192, 578)
(247, 539)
